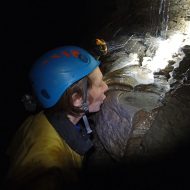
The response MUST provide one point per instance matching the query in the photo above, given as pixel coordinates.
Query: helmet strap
(85, 104)
(85, 107)
(87, 125)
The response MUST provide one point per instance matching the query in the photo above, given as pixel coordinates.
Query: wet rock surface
(136, 118)
(170, 129)
(121, 113)
(141, 134)
(141, 138)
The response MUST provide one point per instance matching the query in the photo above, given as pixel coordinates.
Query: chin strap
(87, 125)
(85, 108)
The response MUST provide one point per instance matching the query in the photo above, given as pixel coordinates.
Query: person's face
(96, 92)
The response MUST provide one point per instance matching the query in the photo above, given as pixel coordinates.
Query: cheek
(94, 96)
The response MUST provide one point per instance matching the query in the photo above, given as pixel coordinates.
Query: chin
(94, 110)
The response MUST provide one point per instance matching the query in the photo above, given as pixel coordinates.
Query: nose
(105, 87)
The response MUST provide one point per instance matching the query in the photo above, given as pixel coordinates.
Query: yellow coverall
(40, 158)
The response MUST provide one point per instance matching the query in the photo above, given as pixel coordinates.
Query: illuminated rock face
(136, 122)
(145, 114)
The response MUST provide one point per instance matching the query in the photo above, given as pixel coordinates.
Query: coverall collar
(67, 130)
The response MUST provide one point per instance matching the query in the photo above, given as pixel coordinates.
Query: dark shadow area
(31, 28)
(169, 172)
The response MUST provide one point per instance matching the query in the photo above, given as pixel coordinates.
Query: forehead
(96, 75)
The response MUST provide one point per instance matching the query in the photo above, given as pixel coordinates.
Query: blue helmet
(57, 70)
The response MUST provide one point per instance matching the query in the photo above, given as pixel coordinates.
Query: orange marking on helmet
(75, 53)
(65, 53)
(55, 56)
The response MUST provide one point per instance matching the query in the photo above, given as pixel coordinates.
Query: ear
(77, 100)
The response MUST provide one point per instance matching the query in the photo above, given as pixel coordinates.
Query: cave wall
(156, 17)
